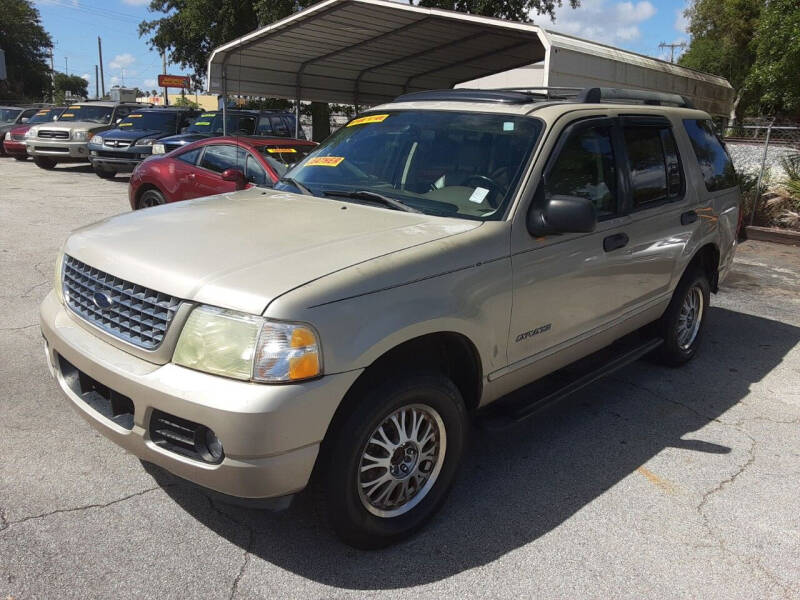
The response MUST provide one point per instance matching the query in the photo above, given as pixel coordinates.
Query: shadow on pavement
(521, 484)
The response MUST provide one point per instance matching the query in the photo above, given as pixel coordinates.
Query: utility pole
(100, 54)
(52, 77)
(66, 65)
(164, 70)
(96, 84)
(672, 47)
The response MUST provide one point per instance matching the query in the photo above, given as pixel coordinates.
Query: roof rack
(597, 95)
(527, 95)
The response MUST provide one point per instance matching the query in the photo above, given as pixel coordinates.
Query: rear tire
(105, 173)
(45, 163)
(149, 198)
(414, 469)
(681, 326)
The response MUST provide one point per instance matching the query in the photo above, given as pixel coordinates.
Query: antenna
(672, 47)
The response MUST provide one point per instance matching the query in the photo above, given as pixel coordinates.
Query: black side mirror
(562, 214)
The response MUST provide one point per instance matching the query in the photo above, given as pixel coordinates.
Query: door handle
(191, 175)
(614, 242)
(688, 217)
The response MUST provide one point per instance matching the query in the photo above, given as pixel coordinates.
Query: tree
(27, 48)
(722, 32)
(75, 85)
(513, 10)
(184, 101)
(775, 74)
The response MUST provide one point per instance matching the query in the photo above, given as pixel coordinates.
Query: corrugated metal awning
(369, 51)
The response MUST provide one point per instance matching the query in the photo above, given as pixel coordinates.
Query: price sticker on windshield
(202, 123)
(325, 161)
(206, 115)
(126, 124)
(74, 107)
(42, 113)
(368, 119)
(281, 150)
(68, 115)
(134, 116)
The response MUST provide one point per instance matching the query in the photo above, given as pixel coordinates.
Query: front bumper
(15, 148)
(62, 150)
(270, 433)
(120, 164)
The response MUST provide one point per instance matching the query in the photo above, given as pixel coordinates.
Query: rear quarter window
(714, 161)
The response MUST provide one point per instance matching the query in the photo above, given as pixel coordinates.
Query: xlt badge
(533, 332)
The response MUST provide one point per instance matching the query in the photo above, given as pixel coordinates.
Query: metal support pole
(164, 71)
(96, 84)
(224, 99)
(297, 115)
(761, 174)
(100, 55)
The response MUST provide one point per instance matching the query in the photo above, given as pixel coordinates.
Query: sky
(75, 24)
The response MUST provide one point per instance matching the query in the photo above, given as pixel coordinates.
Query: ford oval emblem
(102, 300)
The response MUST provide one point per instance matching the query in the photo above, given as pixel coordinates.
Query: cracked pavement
(656, 483)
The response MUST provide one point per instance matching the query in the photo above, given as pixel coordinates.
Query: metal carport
(371, 51)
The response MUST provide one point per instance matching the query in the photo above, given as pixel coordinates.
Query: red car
(14, 140)
(213, 166)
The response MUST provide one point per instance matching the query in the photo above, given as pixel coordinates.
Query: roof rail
(597, 95)
(546, 93)
(468, 95)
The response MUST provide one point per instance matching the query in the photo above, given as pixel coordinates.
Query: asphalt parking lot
(656, 483)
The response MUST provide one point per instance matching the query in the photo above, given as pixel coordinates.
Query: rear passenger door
(660, 207)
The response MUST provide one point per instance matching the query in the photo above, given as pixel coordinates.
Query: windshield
(162, 121)
(87, 112)
(282, 158)
(459, 164)
(211, 122)
(9, 115)
(45, 115)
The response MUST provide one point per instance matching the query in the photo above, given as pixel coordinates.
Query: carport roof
(369, 51)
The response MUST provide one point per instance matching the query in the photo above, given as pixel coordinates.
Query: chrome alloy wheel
(690, 317)
(401, 460)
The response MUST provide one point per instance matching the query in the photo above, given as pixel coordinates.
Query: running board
(564, 383)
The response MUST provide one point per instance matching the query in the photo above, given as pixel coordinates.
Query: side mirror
(562, 214)
(24, 120)
(236, 176)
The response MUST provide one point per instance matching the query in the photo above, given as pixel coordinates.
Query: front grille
(136, 314)
(116, 143)
(49, 134)
(50, 149)
(17, 137)
(105, 154)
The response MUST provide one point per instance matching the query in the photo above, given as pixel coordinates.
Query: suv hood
(244, 249)
(185, 138)
(70, 125)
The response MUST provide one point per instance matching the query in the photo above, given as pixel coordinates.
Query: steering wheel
(486, 182)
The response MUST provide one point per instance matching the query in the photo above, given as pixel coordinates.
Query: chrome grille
(48, 134)
(137, 315)
(116, 143)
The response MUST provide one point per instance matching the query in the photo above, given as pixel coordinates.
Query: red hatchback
(213, 166)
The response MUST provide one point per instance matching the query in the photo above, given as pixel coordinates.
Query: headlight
(96, 139)
(30, 133)
(159, 149)
(145, 142)
(57, 285)
(81, 136)
(7, 136)
(247, 347)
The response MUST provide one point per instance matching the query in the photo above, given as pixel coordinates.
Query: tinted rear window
(715, 164)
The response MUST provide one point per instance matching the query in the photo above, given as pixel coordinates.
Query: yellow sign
(325, 161)
(281, 150)
(208, 115)
(68, 115)
(202, 123)
(74, 107)
(126, 124)
(42, 113)
(368, 119)
(134, 116)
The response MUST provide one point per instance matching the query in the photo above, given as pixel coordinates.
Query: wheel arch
(707, 258)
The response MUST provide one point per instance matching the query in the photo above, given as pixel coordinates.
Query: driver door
(566, 285)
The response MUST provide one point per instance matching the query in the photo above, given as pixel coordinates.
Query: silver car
(430, 257)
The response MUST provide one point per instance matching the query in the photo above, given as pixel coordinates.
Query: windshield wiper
(292, 181)
(373, 197)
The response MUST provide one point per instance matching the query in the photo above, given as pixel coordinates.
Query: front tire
(45, 163)
(105, 173)
(681, 326)
(149, 198)
(390, 463)
(21, 158)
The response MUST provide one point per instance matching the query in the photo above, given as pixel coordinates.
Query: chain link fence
(760, 149)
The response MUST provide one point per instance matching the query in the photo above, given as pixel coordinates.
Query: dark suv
(248, 123)
(120, 150)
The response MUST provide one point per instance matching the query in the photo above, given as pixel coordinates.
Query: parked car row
(188, 155)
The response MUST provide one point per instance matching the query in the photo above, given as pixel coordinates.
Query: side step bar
(510, 413)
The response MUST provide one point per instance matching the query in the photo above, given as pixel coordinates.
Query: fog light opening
(208, 445)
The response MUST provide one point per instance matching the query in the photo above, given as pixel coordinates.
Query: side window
(121, 113)
(647, 164)
(264, 127)
(254, 172)
(279, 127)
(191, 156)
(218, 158)
(246, 126)
(715, 164)
(586, 168)
(289, 125)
